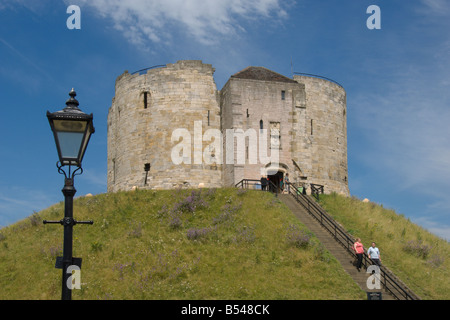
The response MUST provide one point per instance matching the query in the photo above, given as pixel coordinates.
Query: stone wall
(325, 139)
(148, 108)
(255, 104)
(176, 96)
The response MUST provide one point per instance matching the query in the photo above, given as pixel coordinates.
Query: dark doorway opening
(276, 179)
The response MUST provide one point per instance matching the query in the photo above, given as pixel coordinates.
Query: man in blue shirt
(374, 254)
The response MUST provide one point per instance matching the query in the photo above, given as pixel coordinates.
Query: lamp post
(72, 130)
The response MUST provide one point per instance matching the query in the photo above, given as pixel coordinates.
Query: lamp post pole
(68, 191)
(72, 130)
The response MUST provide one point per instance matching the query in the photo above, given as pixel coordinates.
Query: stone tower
(145, 111)
(304, 119)
(324, 142)
(309, 118)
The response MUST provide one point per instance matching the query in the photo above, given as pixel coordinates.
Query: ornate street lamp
(72, 130)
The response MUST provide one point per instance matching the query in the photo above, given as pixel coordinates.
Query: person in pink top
(359, 250)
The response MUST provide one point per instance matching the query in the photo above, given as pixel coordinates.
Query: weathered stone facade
(145, 111)
(309, 113)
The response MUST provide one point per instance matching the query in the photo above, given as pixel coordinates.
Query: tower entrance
(276, 179)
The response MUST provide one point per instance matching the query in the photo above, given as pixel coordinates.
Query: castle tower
(323, 146)
(162, 123)
(146, 111)
(259, 100)
(309, 118)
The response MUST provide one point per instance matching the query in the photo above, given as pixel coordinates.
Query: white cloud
(17, 203)
(441, 7)
(141, 21)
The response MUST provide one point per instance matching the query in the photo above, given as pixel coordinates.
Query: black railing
(387, 279)
(316, 189)
(153, 67)
(256, 184)
(317, 76)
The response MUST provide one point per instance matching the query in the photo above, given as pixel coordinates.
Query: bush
(297, 237)
(194, 233)
(191, 202)
(417, 248)
(436, 261)
(35, 219)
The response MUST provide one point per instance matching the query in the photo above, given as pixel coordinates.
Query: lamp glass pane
(70, 125)
(69, 143)
(85, 141)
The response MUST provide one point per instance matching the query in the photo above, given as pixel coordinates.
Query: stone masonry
(307, 114)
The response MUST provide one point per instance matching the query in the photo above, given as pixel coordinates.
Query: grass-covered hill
(419, 258)
(210, 244)
(177, 244)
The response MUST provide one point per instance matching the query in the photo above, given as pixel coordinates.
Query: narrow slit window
(146, 169)
(311, 126)
(208, 117)
(145, 100)
(114, 170)
(283, 95)
(261, 125)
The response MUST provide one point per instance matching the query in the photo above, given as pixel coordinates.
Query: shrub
(136, 231)
(227, 214)
(245, 234)
(96, 246)
(194, 233)
(191, 202)
(417, 248)
(297, 237)
(435, 261)
(35, 219)
(175, 220)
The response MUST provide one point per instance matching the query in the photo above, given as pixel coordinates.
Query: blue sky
(397, 80)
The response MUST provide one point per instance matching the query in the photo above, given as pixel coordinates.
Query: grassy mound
(175, 244)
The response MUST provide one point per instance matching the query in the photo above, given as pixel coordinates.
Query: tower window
(146, 169)
(283, 95)
(261, 125)
(311, 126)
(146, 99)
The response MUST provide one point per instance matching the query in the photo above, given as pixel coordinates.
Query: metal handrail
(316, 189)
(339, 233)
(245, 183)
(153, 67)
(317, 76)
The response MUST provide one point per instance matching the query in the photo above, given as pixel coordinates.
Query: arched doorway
(275, 174)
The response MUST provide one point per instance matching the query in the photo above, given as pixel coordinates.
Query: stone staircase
(334, 247)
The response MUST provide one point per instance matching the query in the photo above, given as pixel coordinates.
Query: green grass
(175, 244)
(419, 258)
